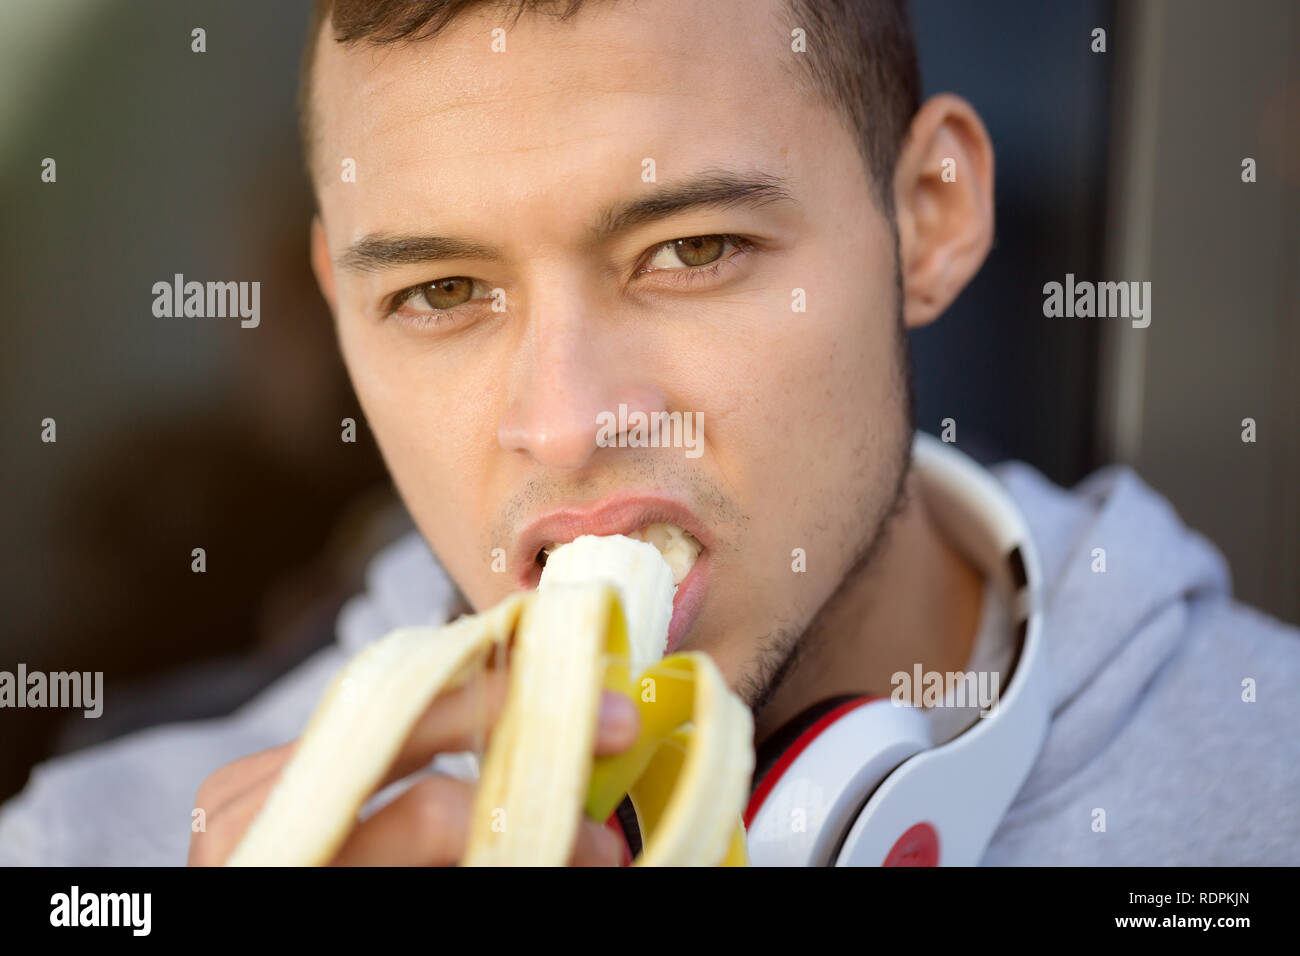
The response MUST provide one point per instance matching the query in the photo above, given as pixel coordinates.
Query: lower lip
(687, 601)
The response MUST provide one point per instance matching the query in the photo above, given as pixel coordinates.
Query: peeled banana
(598, 620)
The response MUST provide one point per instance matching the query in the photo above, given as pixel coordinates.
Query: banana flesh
(643, 579)
(598, 620)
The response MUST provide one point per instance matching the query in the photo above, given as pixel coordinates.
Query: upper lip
(618, 514)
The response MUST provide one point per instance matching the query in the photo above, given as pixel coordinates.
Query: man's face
(488, 420)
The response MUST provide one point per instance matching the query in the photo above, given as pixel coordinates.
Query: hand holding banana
(597, 623)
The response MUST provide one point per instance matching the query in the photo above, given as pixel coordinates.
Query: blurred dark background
(179, 435)
(1029, 71)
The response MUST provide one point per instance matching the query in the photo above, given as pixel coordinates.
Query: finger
(619, 724)
(227, 782)
(233, 795)
(426, 825)
(448, 724)
(462, 720)
(226, 825)
(597, 845)
(455, 721)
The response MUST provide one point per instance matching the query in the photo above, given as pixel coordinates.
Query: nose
(573, 373)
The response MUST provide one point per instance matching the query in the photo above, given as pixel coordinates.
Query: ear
(943, 195)
(320, 262)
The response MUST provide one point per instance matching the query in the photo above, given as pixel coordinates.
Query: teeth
(678, 546)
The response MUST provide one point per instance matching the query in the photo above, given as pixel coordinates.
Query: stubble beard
(779, 652)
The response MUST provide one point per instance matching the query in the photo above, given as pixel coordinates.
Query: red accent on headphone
(919, 846)
(793, 751)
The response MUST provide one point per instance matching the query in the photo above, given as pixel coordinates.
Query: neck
(918, 601)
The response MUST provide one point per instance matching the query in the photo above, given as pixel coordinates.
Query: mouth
(670, 527)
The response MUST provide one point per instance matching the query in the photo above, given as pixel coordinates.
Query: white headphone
(856, 781)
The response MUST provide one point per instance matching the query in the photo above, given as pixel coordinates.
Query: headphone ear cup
(787, 735)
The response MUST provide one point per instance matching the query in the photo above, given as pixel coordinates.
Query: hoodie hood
(1109, 633)
(405, 587)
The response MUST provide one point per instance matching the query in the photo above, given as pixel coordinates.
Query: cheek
(813, 429)
(432, 436)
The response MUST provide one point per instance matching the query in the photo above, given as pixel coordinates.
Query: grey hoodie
(1152, 665)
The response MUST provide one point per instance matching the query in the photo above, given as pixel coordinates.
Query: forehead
(570, 106)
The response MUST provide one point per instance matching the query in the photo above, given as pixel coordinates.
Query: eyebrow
(710, 189)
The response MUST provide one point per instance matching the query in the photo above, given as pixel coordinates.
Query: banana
(644, 580)
(598, 620)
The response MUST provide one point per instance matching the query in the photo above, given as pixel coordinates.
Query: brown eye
(447, 293)
(700, 250)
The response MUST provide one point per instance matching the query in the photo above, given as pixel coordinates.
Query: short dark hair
(861, 58)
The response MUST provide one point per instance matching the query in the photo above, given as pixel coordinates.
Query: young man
(532, 219)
